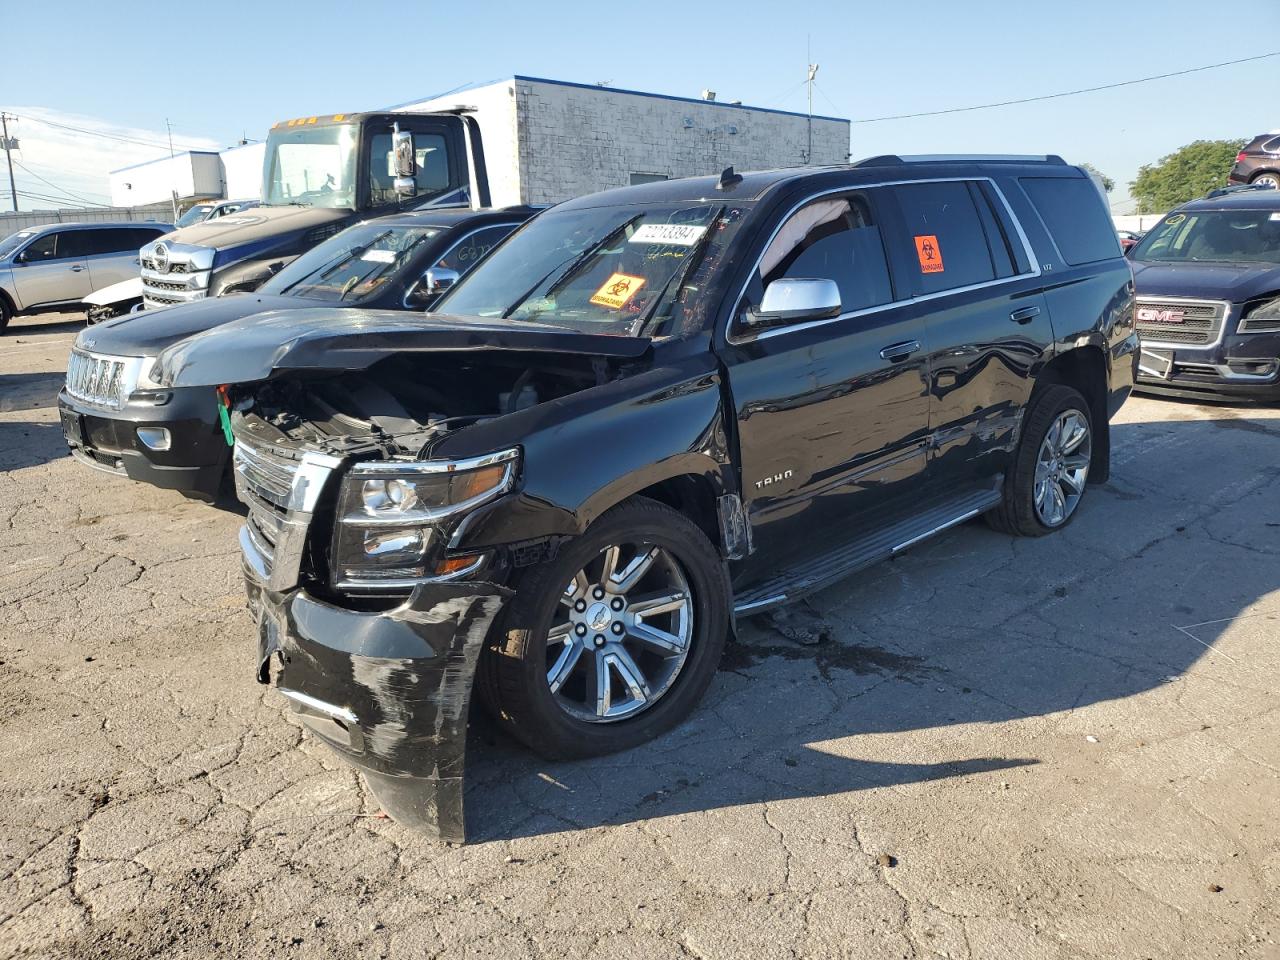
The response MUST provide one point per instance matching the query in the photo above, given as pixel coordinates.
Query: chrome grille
(163, 301)
(99, 379)
(163, 285)
(1195, 323)
(173, 267)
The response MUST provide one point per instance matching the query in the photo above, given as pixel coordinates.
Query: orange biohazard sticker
(617, 290)
(929, 254)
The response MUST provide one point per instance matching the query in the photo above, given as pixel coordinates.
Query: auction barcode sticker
(680, 234)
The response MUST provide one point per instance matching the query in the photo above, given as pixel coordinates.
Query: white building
(190, 174)
(549, 140)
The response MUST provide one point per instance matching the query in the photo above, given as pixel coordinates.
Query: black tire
(1267, 176)
(6, 313)
(512, 678)
(1017, 513)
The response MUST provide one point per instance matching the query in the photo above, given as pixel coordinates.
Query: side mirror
(406, 162)
(794, 301)
(433, 283)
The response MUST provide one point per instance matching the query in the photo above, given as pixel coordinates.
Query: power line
(1072, 93)
(31, 172)
(106, 136)
(63, 200)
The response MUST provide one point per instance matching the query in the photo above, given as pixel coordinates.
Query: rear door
(987, 325)
(832, 415)
(50, 270)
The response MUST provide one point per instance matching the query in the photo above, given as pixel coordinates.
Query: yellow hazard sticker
(617, 290)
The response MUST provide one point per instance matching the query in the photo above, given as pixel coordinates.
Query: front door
(832, 415)
(50, 271)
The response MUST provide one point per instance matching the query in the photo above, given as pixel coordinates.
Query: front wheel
(615, 640)
(1050, 467)
(6, 312)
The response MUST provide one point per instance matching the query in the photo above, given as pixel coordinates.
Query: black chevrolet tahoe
(1208, 298)
(116, 418)
(647, 412)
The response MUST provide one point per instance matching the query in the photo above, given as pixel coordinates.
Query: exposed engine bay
(402, 406)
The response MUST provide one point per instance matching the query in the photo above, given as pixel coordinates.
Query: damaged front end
(372, 594)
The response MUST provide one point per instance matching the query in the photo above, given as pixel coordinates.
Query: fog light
(155, 438)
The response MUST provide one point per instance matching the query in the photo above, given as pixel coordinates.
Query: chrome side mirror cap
(794, 301)
(433, 283)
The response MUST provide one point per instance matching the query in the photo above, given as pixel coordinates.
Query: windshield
(1251, 236)
(315, 166)
(355, 264)
(14, 241)
(194, 215)
(623, 270)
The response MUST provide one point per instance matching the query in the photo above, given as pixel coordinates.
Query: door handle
(77, 268)
(900, 351)
(1025, 315)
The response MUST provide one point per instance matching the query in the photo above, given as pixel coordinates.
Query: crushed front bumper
(1241, 367)
(388, 690)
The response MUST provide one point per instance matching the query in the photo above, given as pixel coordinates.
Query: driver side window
(433, 176)
(833, 239)
(46, 248)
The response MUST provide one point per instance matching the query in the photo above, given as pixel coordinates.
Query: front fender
(586, 453)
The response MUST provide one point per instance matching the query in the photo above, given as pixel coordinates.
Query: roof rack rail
(1237, 188)
(985, 158)
(881, 160)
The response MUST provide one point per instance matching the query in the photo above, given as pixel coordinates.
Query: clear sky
(222, 69)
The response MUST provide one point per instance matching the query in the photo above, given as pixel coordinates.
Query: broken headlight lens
(388, 512)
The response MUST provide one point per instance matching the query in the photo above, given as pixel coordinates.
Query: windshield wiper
(568, 271)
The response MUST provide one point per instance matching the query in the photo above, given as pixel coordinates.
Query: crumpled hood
(1236, 282)
(255, 224)
(249, 350)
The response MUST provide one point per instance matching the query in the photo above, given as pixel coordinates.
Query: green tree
(1107, 183)
(1187, 173)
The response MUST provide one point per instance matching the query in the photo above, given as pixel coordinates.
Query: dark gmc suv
(648, 411)
(1208, 298)
(116, 418)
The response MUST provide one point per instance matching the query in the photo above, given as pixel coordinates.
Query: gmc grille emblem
(1155, 315)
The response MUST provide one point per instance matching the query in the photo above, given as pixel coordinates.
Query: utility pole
(169, 127)
(813, 72)
(9, 145)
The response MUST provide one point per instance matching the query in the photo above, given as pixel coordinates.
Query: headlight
(1264, 318)
(145, 369)
(391, 514)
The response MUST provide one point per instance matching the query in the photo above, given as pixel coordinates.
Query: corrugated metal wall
(13, 222)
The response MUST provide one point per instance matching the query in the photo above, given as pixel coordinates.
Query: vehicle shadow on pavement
(27, 444)
(948, 639)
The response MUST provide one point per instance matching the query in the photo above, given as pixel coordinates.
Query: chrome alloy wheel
(620, 634)
(1062, 467)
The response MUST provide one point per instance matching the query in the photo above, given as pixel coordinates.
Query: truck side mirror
(794, 301)
(406, 162)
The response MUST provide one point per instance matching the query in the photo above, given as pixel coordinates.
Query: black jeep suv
(648, 411)
(1208, 298)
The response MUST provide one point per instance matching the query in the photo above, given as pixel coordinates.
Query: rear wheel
(1267, 179)
(615, 640)
(6, 313)
(1050, 468)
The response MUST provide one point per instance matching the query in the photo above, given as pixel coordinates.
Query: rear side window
(92, 243)
(1073, 211)
(946, 243)
(464, 254)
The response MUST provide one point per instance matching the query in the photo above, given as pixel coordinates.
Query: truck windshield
(352, 265)
(1223, 235)
(623, 270)
(315, 166)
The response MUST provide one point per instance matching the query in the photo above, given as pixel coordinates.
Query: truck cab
(320, 175)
